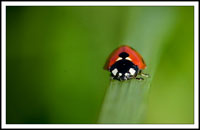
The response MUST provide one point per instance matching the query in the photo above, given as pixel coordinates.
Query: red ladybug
(125, 63)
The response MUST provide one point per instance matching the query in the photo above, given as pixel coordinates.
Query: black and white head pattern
(123, 68)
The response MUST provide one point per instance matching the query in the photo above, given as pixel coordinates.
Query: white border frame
(196, 61)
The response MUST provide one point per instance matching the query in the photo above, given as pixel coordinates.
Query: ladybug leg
(139, 78)
(144, 75)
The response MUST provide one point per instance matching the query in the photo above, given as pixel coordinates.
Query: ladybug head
(123, 68)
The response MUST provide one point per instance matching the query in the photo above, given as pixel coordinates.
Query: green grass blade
(121, 99)
(125, 102)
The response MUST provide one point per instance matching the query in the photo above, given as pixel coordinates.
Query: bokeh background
(55, 58)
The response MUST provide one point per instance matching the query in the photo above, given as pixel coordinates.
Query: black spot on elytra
(123, 55)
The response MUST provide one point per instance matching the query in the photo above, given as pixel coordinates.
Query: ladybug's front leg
(139, 78)
(143, 74)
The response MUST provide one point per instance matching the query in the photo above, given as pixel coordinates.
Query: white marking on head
(127, 74)
(119, 58)
(128, 58)
(120, 74)
(132, 71)
(114, 71)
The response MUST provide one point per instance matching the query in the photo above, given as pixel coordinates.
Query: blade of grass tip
(125, 102)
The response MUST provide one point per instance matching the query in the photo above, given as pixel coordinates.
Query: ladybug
(125, 63)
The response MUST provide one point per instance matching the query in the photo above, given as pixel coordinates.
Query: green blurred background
(55, 58)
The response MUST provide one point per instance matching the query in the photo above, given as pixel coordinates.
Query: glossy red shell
(133, 54)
